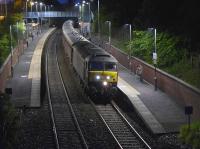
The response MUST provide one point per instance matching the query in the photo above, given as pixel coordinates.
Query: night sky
(3, 1)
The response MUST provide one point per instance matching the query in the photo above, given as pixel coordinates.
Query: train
(96, 68)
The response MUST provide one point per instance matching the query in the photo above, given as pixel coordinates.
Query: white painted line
(143, 111)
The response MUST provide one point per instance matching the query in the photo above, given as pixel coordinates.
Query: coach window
(110, 66)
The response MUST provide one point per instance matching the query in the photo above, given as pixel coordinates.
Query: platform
(159, 112)
(26, 79)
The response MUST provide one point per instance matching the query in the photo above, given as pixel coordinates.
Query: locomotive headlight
(98, 77)
(108, 77)
(105, 83)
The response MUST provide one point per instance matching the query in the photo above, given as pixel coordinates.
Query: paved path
(25, 84)
(159, 111)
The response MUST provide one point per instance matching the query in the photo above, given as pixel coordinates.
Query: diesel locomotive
(96, 68)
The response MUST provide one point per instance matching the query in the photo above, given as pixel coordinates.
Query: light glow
(98, 77)
(108, 77)
(105, 83)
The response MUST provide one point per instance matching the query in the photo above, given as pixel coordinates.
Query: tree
(191, 135)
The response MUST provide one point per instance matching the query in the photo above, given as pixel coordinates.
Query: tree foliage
(4, 48)
(16, 32)
(167, 48)
(191, 135)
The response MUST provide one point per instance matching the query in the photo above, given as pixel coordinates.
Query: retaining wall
(183, 93)
(5, 70)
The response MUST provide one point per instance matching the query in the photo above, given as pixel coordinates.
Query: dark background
(179, 17)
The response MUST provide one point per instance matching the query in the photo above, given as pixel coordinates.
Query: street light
(27, 8)
(36, 9)
(109, 38)
(32, 3)
(98, 21)
(41, 4)
(154, 57)
(11, 52)
(6, 7)
(130, 38)
(89, 16)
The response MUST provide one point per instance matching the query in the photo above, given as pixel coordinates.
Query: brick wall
(5, 70)
(183, 93)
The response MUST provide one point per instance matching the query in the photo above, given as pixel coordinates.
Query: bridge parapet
(57, 14)
(47, 14)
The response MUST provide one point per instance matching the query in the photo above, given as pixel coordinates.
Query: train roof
(87, 49)
(71, 34)
(84, 46)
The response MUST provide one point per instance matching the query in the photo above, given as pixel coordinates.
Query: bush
(191, 136)
(168, 51)
(4, 48)
(8, 123)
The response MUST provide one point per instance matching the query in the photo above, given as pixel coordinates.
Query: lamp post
(98, 20)
(89, 16)
(6, 9)
(36, 9)
(41, 4)
(48, 9)
(45, 9)
(11, 52)
(154, 57)
(81, 18)
(18, 39)
(49, 13)
(27, 7)
(32, 3)
(109, 32)
(130, 37)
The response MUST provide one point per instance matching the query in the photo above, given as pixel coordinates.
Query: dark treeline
(180, 17)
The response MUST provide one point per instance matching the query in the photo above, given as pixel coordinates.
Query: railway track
(66, 129)
(126, 136)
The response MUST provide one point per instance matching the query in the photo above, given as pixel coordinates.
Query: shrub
(4, 48)
(191, 136)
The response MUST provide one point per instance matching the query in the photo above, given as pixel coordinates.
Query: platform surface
(26, 79)
(160, 112)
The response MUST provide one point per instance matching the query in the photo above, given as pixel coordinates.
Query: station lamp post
(6, 9)
(11, 52)
(154, 57)
(109, 34)
(41, 4)
(130, 38)
(36, 10)
(89, 17)
(32, 3)
(98, 20)
(27, 7)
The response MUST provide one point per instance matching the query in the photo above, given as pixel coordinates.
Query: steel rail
(69, 103)
(127, 122)
(50, 103)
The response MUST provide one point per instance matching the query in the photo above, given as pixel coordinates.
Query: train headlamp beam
(105, 83)
(98, 77)
(108, 77)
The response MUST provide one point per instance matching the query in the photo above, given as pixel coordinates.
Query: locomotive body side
(96, 68)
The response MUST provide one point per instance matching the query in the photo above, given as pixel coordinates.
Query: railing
(50, 14)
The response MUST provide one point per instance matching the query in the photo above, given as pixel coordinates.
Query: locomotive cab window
(95, 66)
(110, 67)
